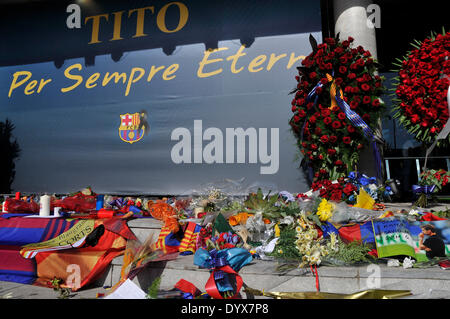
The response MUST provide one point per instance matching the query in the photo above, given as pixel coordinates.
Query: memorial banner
(154, 97)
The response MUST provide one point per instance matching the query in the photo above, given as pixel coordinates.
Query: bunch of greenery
(286, 248)
(354, 252)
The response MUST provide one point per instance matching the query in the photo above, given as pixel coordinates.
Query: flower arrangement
(301, 240)
(431, 181)
(421, 88)
(325, 210)
(339, 190)
(224, 240)
(440, 178)
(378, 192)
(309, 244)
(328, 141)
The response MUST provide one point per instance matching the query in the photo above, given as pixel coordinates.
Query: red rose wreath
(422, 86)
(329, 142)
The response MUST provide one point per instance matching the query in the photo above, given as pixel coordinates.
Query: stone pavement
(424, 283)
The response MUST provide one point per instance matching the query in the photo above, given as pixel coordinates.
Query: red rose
(349, 188)
(365, 87)
(376, 103)
(338, 162)
(336, 124)
(346, 139)
(354, 105)
(296, 118)
(333, 139)
(324, 138)
(351, 129)
(341, 115)
(300, 101)
(331, 151)
(342, 69)
(367, 99)
(326, 112)
(312, 75)
(327, 120)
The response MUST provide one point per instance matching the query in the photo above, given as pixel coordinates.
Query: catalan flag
(167, 241)
(187, 245)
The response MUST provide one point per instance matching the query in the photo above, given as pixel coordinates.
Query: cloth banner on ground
(351, 232)
(360, 232)
(400, 237)
(18, 231)
(78, 266)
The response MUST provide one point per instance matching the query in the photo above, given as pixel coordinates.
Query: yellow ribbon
(333, 92)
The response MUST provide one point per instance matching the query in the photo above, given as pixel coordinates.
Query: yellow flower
(277, 230)
(325, 210)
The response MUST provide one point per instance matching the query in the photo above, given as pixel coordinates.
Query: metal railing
(417, 160)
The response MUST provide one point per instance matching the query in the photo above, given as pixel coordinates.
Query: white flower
(287, 220)
(408, 262)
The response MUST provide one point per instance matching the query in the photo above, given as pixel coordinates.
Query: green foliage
(258, 203)
(152, 292)
(354, 252)
(285, 247)
(443, 213)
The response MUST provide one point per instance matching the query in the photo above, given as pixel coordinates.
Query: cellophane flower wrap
(328, 141)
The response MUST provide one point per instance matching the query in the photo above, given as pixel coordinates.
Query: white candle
(56, 211)
(44, 204)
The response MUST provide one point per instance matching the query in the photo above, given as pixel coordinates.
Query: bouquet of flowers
(422, 86)
(430, 182)
(339, 190)
(370, 185)
(440, 178)
(328, 140)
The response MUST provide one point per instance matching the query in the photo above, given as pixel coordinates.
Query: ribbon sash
(211, 286)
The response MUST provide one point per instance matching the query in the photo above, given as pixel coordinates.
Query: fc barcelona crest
(133, 127)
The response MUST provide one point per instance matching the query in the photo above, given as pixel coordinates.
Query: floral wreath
(421, 88)
(329, 142)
